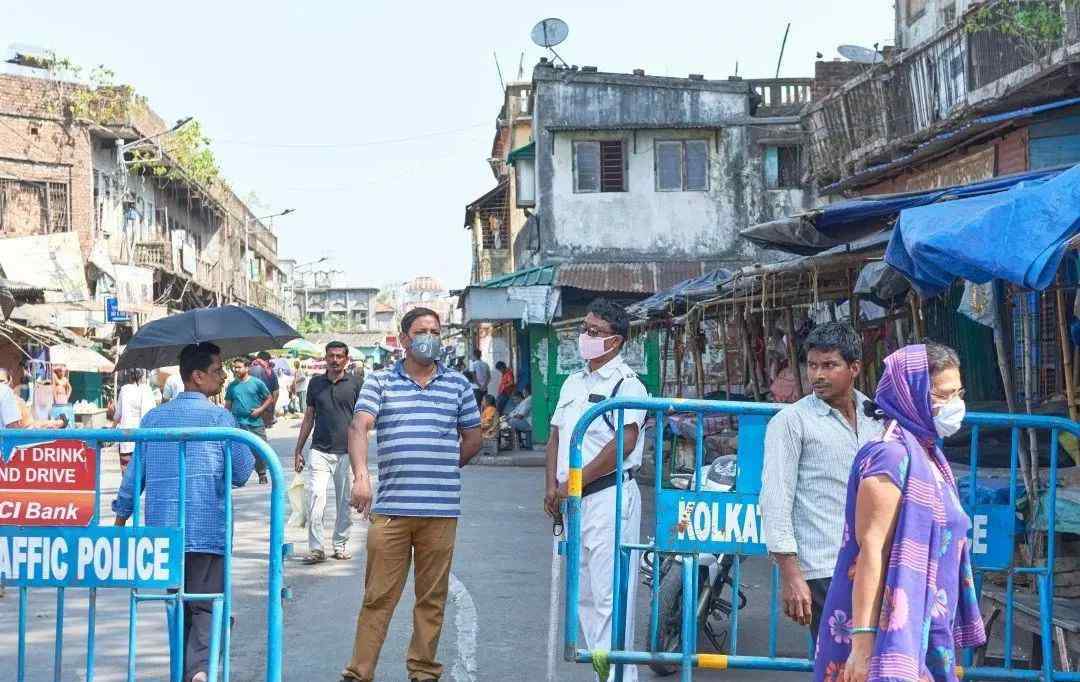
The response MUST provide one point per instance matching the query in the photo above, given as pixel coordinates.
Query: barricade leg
(689, 634)
(620, 617)
(215, 639)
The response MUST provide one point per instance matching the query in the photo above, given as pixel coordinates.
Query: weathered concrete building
(73, 192)
(965, 99)
(646, 169)
(338, 308)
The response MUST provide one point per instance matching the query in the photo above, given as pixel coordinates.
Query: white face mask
(949, 417)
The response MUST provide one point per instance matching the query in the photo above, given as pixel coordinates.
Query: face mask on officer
(426, 348)
(592, 347)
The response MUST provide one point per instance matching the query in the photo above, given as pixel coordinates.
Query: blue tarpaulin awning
(1018, 235)
(829, 226)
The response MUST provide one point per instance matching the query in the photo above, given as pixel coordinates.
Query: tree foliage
(1036, 26)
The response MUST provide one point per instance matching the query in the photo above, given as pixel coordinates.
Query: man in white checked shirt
(809, 448)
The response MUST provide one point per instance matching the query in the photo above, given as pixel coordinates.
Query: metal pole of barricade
(618, 607)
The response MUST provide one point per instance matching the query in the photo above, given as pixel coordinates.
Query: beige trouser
(392, 543)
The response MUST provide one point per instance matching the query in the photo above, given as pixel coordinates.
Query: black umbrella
(237, 330)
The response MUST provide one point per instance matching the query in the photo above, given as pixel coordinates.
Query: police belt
(603, 483)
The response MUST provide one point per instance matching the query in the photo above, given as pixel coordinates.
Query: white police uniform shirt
(574, 402)
(598, 509)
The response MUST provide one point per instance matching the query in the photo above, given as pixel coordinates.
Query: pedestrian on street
(489, 418)
(606, 375)
(11, 416)
(204, 537)
(809, 448)
(428, 428)
(174, 386)
(903, 597)
(506, 386)
(133, 402)
(482, 375)
(521, 417)
(248, 399)
(330, 403)
(263, 370)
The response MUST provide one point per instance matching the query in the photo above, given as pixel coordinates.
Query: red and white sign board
(53, 483)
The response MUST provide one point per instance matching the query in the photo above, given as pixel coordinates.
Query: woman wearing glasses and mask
(902, 599)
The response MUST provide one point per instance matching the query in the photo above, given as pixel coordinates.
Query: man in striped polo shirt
(428, 428)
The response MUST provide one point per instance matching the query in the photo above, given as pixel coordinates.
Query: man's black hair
(835, 336)
(477, 354)
(263, 355)
(197, 356)
(245, 359)
(337, 344)
(612, 313)
(412, 315)
(500, 365)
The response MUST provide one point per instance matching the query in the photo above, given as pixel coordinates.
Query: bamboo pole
(680, 350)
(699, 360)
(1004, 360)
(748, 353)
(664, 354)
(793, 354)
(1066, 356)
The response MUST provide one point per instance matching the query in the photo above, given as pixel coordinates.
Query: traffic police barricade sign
(50, 537)
(692, 522)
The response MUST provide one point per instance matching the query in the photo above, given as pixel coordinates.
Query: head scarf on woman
(915, 597)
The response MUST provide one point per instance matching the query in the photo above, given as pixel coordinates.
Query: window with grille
(599, 166)
(32, 207)
(682, 165)
(783, 167)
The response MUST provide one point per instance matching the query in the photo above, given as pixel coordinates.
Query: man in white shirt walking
(809, 448)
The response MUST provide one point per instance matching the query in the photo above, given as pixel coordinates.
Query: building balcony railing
(492, 263)
(960, 72)
(781, 96)
(154, 255)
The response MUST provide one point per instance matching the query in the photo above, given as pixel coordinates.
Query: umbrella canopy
(79, 359)
(237, 330)
(304, 348)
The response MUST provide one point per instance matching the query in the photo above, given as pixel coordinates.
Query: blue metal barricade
(692, 522)
(50, 537)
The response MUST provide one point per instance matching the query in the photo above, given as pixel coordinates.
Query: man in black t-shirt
(331, 399)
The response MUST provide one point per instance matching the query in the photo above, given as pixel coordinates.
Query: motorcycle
(713, 608)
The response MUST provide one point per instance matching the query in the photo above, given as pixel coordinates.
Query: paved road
(496, 622)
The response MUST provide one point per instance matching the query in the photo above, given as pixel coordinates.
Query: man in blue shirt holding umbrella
(204, 538)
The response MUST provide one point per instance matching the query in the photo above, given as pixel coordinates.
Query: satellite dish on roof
(550, 32)
(863, 55)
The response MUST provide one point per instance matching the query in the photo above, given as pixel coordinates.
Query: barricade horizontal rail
(33, 460)
(692, 522)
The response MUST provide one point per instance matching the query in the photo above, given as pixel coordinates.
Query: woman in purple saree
(902, 598)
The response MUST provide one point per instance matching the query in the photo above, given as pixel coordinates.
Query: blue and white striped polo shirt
(418, 439)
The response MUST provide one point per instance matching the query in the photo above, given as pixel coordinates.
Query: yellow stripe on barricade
(573, 484)
(712, 661)
(960, 672)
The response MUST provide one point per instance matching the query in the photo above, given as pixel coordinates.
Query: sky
(374, 119)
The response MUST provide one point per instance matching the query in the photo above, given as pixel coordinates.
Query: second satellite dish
(863, 55)
(550, 32)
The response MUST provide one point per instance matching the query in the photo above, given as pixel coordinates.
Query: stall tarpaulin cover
(1018, 235)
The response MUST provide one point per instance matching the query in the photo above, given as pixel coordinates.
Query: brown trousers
(392, 543)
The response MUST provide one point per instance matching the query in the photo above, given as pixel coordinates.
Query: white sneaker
(199, 677)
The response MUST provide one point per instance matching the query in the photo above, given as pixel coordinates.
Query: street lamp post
(292, 281)
(247, 251)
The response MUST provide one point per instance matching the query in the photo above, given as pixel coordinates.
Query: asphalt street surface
(496, 620)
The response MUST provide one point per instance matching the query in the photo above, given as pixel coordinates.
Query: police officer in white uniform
(603, 334)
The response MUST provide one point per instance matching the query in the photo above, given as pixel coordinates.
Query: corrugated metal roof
(543, 275)
(640, 278)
